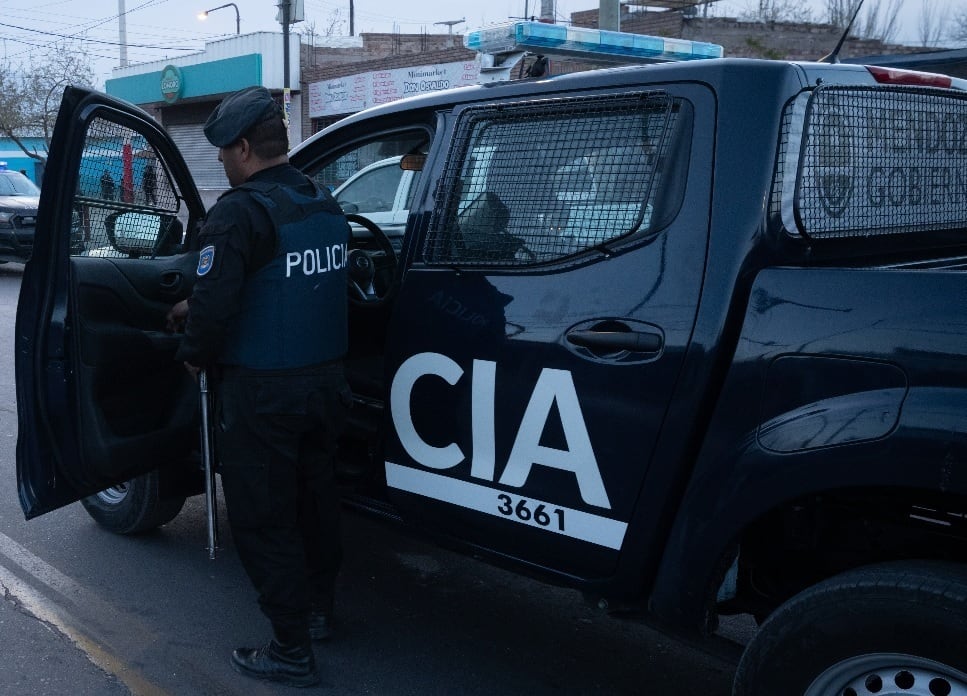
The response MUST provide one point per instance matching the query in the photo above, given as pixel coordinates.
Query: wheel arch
(739, 509)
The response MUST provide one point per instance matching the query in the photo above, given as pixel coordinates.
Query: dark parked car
(19, 198)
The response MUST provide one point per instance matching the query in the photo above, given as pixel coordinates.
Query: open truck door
(102, 404)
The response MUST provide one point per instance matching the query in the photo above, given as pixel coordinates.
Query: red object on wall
(127, 177)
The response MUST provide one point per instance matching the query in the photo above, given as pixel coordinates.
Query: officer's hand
(177, 315)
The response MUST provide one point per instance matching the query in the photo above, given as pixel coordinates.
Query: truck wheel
(133, 507)
(895, 628)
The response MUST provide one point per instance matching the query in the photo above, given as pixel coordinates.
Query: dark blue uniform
(269, 313)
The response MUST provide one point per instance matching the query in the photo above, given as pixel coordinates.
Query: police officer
(268, 315)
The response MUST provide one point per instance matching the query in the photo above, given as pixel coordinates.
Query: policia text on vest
(312, 260)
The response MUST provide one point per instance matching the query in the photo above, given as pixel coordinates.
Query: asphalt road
(88, 612)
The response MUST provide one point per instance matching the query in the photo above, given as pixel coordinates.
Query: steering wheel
(365, 265)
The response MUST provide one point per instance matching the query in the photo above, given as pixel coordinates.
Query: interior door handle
(632, 341)
(171, 282)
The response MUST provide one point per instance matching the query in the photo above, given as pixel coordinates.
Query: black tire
(894, 628)
(133, 507)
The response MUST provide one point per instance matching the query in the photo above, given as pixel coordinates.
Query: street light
(238, 19)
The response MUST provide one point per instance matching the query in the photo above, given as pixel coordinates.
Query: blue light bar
(589, 44)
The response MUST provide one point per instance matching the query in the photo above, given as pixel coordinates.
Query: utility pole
(352, 18)
(290, 11)
(123, 33)
(548, 11)
(285, 5)
(609, 15)
(285, 17)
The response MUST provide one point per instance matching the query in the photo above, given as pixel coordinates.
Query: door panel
(134, 401)
(100, 397)
(539, 335)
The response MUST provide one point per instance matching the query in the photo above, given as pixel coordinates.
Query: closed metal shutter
(201, 156)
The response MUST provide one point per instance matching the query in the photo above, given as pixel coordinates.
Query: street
(89, 612)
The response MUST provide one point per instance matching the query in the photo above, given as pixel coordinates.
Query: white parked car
(382, 192)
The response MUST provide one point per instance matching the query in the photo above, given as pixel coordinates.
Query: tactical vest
(294, 309)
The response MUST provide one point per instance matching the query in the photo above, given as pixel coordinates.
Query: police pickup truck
(689, 337)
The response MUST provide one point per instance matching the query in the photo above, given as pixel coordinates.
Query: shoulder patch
(205, 259)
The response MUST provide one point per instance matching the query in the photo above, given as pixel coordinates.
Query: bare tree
(930, 28)
(879, 20)
(840, 12)
(30, 94)
(958, 27)
(777, 11)
(332, 24)
(876, 20)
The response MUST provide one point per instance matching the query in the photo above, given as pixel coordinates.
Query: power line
(45, 46)
(99, 41)
(323, 6)
(150, 3)
(82, 25)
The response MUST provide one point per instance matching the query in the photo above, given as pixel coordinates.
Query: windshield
(373, 191)
(16, 184)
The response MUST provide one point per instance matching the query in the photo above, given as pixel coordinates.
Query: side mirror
(143, 234)
(349, 208)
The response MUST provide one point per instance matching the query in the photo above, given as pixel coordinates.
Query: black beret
(237, 113)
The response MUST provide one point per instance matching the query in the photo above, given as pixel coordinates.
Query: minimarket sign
(353, 93)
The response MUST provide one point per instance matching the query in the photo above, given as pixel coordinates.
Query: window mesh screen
(535, 181)
(859, 162)
(786, 163)
(125, 204)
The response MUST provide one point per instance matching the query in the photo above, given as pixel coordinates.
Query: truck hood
(19, 202)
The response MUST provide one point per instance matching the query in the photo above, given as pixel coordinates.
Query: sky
(162, 29)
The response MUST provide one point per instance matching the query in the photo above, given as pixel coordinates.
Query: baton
(206, 453)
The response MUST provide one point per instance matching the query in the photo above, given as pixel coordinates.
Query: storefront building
(182, 92)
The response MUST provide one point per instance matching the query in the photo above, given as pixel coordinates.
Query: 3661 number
(522, 510)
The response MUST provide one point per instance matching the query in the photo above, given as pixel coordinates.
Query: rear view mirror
(143, 234)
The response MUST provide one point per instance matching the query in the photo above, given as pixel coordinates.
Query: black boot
(292, 665)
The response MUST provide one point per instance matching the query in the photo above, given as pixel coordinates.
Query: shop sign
(172, 83)
(352, 93)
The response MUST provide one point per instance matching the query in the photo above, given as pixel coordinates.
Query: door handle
(632, 341)
(171, 282)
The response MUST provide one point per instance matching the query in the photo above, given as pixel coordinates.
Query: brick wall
(740, 39)
(377, 46)
(651, 23)
(782, 40)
